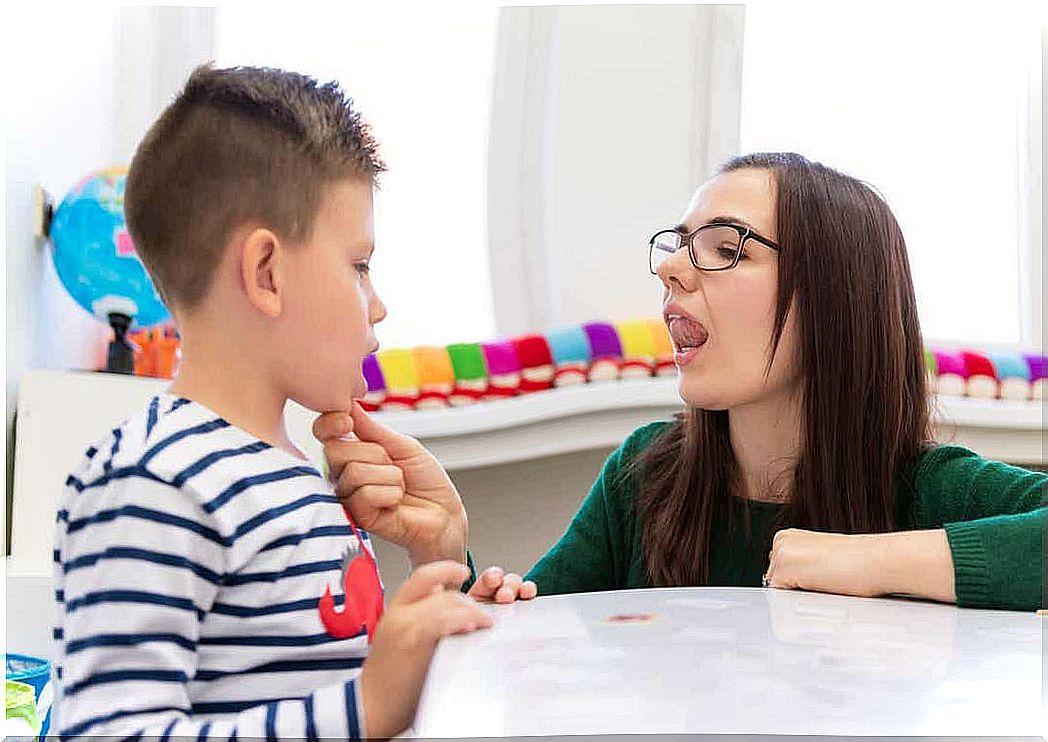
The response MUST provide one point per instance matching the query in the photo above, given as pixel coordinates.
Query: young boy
(209, 582)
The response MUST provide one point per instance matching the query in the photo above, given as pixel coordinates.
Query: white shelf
(530, 408)
(565, 420)
(661, 392)
(998, 414)
(601, 415)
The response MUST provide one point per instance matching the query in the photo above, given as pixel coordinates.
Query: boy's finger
(465, 620)
(332, 425)
(454, 613)
(426, 578)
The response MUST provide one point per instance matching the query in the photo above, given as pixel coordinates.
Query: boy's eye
(362, 268)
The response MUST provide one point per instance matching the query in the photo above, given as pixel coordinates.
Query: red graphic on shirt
(363, 601)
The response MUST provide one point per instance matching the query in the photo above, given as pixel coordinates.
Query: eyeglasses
(711, 247)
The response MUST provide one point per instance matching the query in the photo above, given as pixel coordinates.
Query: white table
(738, 661)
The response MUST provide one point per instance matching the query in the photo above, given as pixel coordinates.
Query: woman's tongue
(687, 333)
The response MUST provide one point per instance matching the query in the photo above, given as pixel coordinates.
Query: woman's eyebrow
(722, 219)
(730, 220)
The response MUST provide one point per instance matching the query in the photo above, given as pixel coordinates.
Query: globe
(94, 256)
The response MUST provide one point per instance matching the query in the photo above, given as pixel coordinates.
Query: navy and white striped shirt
(189, 560)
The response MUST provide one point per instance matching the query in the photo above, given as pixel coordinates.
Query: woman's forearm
(917, 563)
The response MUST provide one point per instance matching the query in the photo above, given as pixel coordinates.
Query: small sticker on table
(631, 618)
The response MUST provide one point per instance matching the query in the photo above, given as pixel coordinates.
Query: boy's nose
(377, 310)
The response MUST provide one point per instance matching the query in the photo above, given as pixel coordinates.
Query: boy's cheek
(322, 373)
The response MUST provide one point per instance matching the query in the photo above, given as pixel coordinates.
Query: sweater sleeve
(594, 553)
(472, 579)
(995, 518)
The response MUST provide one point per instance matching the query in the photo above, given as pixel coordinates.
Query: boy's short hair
(237, 146)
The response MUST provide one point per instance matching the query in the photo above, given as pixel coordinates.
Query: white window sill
(600, 415)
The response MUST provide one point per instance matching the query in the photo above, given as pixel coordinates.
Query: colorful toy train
(461, 374)
(598, 352)
(990, 375)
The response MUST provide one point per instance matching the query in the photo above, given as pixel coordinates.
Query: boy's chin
(330, 400)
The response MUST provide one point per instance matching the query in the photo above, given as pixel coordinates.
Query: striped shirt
(190, 557)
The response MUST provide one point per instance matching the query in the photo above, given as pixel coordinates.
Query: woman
(804, 457)
(800, 359)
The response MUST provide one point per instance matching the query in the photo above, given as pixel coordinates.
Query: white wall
(625, 110)
(422, 81)
(159, 47)
(61, 114)
(932, 126)
(606, 118)
(81, 92)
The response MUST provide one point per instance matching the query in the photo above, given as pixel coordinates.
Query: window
(422, 77)
(926, 104)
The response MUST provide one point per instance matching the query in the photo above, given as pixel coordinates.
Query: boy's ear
(261, 264)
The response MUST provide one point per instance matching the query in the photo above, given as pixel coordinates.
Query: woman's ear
(261, 266)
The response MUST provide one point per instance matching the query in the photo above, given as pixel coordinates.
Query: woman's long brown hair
(866, 414)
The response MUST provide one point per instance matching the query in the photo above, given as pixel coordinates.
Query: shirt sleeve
(995, 518)
(138, 566)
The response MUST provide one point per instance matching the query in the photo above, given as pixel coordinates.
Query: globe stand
(121, 357)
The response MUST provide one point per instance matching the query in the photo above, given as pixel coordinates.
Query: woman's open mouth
(688, 336)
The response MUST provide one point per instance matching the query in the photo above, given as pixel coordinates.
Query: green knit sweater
(995, 517)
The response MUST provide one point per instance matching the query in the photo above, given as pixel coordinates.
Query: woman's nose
(676, 271)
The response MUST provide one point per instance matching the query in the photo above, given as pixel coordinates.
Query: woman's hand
(915, 563)
(498, 586)
(393, 486)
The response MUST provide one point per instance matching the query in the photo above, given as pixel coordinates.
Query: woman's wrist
(454, 550)
(917, 563)
(451, 546)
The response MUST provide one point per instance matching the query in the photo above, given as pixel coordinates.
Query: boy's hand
(393, 486)
(426, 608)
(500, 587)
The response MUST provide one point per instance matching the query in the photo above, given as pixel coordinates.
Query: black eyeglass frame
(687, 240)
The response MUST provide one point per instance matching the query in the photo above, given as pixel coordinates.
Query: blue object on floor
(37, 673)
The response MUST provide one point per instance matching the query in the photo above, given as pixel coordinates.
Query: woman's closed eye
(727, 252)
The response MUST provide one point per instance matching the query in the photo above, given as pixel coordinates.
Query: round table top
(737, 661)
